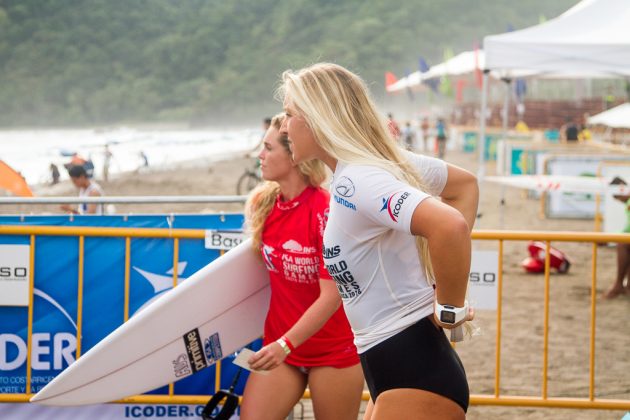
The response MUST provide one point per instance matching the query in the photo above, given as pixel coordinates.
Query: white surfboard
(216, 311)
(561, 183)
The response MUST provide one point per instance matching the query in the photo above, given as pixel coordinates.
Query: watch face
(447, 317)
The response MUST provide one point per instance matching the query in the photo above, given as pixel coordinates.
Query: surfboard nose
(47, 394)
(37, 398)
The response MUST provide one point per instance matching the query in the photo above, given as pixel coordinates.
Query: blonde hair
(338, 108)
(262, 199)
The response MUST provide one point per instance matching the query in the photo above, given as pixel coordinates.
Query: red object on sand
(558, 260)
(532, 265)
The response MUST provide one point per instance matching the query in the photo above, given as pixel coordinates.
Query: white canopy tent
(591, 38)
(617, 117)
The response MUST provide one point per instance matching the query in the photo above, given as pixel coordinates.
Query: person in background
(266, 123)
(393, 127)
(569, 132)
(409, 136)
(144, 159)
(424, 126)
(521, 127)
(609, 98)
(89, 166)
(54, 174)
(440, 137)
(400, 257)
(585, 133)
(87, 188)
(307, 339)
(75, 160)
(623, 251)
(107, 160)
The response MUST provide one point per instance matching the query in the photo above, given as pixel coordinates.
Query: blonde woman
(307, 339)
(387, 241)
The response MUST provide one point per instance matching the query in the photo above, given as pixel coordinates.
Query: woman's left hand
(267, 358)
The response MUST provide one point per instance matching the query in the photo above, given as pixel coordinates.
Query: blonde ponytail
(257, 208)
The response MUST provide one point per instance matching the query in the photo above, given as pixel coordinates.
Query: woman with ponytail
(307, 339)
(400, 256)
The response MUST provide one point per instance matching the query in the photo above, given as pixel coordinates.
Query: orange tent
(13, 181)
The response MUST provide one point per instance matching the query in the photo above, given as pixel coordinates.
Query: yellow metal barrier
(477, 399)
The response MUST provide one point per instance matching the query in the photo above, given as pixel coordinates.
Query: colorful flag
(446, 86)
(520, 89)
(390, 79)
(423, 66)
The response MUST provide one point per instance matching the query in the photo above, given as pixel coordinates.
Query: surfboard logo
(212, 348)
(181, 367)
(196, 357)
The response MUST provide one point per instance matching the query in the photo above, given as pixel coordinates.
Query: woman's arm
(448, 236)
(91, 208)
(317, 314)
(311, 321)
(462, 192)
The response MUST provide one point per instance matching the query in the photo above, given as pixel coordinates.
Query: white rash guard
(369, 249)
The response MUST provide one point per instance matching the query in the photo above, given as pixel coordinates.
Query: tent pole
(506, 122)
(481, 139)
(506, 106)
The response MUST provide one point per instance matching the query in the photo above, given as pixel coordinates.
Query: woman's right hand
(267, 358)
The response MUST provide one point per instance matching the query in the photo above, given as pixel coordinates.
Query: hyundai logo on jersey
(344, 187)
(394, 203)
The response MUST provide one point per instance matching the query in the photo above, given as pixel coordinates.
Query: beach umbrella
(13, 182)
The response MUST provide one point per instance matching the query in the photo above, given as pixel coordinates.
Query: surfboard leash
(231, 401)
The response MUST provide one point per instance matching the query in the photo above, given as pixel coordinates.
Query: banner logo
(14, 274)
(223, 240)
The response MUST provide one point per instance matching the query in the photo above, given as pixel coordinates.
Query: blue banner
(55, 308)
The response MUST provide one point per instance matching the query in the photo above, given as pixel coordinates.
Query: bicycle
(249, 179)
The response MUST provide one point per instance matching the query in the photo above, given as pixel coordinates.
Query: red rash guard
(292, 251)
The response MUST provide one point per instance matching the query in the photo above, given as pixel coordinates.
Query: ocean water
(31, 152)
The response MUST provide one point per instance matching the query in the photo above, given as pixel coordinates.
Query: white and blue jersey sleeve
(385, 200)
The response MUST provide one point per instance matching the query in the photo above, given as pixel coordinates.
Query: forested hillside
(84, 62)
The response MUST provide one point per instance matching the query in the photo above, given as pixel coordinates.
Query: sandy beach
(523, 294)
